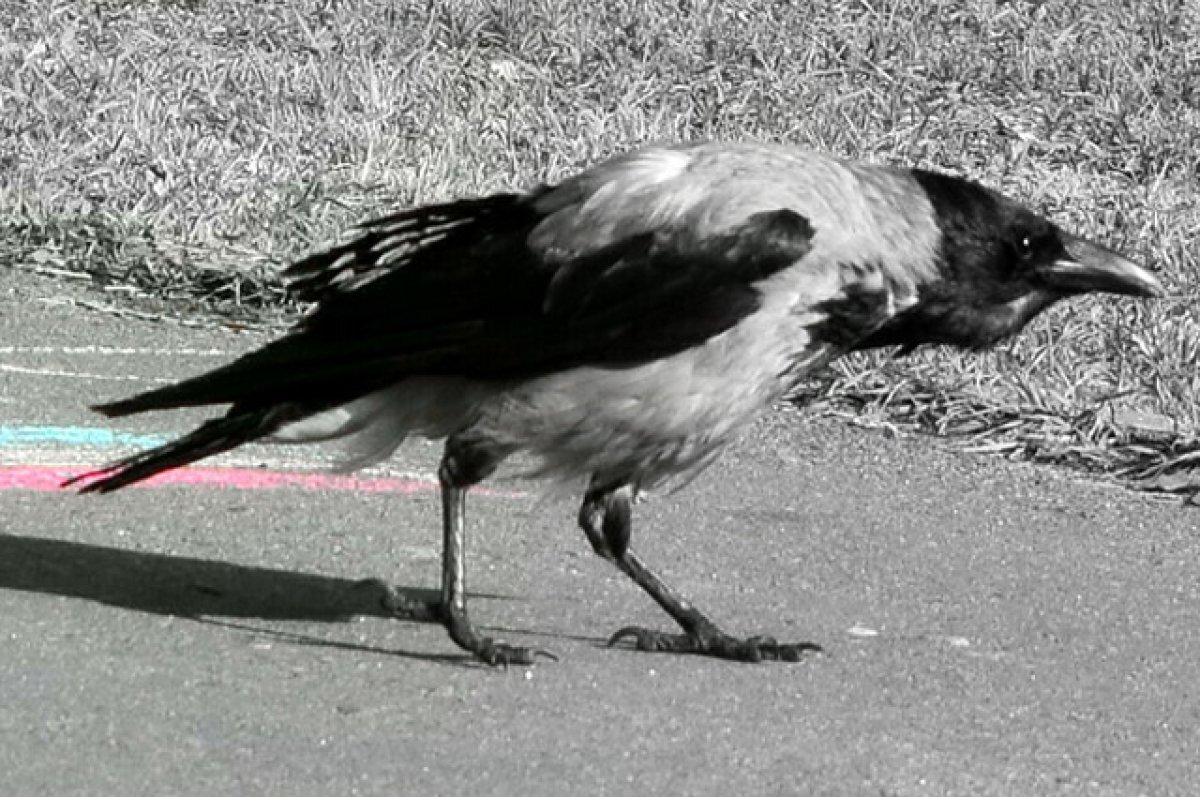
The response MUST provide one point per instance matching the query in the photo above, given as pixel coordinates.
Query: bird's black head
(1000, 265)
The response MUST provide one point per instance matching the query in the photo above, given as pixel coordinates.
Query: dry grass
(186, 149)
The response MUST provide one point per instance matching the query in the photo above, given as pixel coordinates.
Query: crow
(619, 328)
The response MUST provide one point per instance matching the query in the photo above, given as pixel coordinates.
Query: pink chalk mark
(47, 478)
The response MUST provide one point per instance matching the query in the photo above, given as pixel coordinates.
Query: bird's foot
(499, 654)
(487, 650)
(708, 640)
(421, 610)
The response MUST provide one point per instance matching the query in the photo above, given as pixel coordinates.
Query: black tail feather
(134, 404)
(212, 437)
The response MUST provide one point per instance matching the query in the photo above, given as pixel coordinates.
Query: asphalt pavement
(989, 627)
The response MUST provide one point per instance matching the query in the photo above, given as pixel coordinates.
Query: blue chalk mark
(74, 436)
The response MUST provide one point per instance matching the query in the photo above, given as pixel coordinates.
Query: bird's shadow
(212, 592)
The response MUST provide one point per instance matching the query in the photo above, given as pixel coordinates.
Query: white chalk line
(115, 351)
(262, 457)
(59, 374)
(100, 351)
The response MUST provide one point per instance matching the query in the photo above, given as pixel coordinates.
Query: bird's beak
(1091, 267)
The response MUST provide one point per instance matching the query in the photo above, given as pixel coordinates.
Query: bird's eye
(1025, 247)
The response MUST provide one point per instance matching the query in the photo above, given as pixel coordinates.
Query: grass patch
(188, 149)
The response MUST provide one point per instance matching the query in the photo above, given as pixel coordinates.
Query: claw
(498, 654)
(646, 639)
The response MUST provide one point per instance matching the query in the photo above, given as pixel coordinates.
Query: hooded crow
(619, 328)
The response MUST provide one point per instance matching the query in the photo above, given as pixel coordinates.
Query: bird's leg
(606, 518)
(464, 464)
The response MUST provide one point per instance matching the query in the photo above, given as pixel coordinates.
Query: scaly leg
(606, 518)
(463, 464)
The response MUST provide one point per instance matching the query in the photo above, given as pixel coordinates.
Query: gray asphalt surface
(989, 627)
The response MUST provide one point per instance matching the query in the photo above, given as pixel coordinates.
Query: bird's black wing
(459, 290)
(396, 241)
